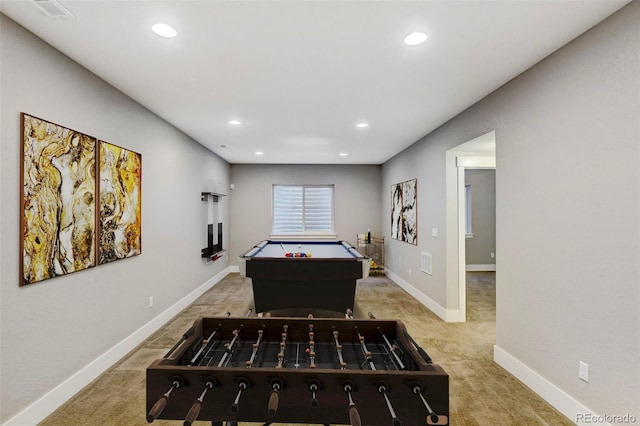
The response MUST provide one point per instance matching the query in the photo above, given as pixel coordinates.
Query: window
(469, 211)
(302, 210)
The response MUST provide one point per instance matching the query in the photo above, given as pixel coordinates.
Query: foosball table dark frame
(298, 370)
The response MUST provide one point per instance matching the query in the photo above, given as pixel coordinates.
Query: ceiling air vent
(52, 8)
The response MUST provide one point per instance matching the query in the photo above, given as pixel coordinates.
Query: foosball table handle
(193, 413)
(354, 416)
(274, 401)
(161, 403)
(157, 408)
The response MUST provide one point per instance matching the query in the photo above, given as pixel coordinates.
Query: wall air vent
(53, 9)
(425, 263)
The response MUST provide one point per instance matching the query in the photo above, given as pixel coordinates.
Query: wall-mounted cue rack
(214, 248)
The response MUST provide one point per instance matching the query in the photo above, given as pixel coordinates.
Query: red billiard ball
(288, 254)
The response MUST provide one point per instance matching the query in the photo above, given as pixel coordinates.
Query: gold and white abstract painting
(58, 200)
(120, 213)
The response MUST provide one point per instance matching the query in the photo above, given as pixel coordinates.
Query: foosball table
(298, 370)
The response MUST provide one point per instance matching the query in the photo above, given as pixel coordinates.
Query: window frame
(311, 234)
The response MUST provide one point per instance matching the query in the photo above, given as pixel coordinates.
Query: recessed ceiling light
(235, 122)
(414, 39)
(259, 153)
(343, 154)
(362, 125)
(164, 30)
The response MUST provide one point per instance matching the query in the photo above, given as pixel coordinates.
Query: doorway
(478, 153)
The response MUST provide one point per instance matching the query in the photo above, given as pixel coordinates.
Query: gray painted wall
(567, 213)
(65, 323)
(483, 218)
(356, 196)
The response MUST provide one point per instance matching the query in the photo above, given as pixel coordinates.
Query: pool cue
(283, 249)
(283, 346)
(184, 337)
(418, 389)
(194, 411)
(256, 346)
(392, 348)
(161, 403)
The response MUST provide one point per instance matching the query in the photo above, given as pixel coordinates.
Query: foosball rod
(421, 351)
(194, 411)
(347, 385)
(392, 348)
(312, 348)
(354, 415)
(243, 383)
(184, 337)
(343, 365)
(314, 386)
(206, 344)
(229, 347)
(365, 351)
(418, 389)
(283, 346)
(383, 388)
(161, 403)
(256, 346)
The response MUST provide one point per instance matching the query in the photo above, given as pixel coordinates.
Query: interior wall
(567, 209)
(65, 323)
(478, 248)
(356, 199)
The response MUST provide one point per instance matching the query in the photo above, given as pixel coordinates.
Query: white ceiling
(300, 75)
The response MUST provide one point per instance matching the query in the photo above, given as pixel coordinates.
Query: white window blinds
(302, 209)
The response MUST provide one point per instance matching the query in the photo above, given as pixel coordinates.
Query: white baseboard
(481, 267)
(57, 396)
(448, 315)
(563, 402)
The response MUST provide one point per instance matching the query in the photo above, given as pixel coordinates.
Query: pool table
(326, 280)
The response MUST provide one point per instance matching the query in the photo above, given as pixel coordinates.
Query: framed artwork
(81, 201)
(120, 207)
(58, 200)
(404, 204)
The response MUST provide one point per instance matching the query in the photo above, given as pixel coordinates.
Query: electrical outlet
(410, 271)
(493, 255)
(151, 301)
(434, 232)
(584, 371)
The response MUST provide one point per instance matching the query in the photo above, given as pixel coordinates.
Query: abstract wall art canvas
(404, 203)
(58, 200)
(120, 206)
